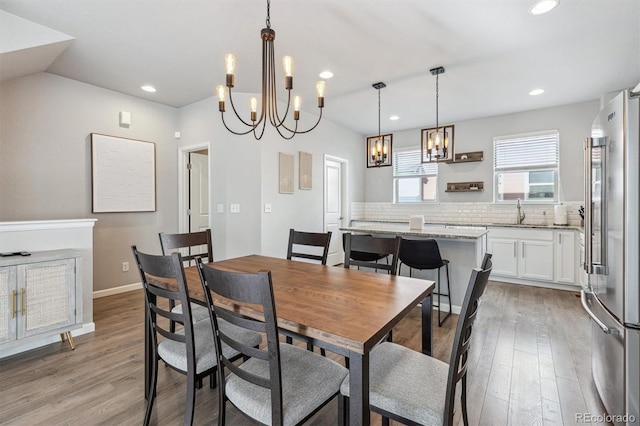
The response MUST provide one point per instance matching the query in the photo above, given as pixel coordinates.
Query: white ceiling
(494, 52)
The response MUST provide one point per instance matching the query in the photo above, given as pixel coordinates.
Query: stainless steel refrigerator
(612, 296)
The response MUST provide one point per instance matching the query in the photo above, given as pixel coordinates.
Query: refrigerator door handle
(589, 266)
(603, 326)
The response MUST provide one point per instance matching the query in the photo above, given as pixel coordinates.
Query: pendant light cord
(378, 113)
(437, 96)
(268, 21)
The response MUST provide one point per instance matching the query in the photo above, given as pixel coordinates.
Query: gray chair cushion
(308, 380)
(175, 353)
(407, 383)
(198, 312)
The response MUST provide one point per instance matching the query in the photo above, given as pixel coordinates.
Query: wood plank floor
(530, 365)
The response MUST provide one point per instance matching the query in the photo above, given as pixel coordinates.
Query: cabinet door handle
(14, 295)
(22, 301)
(523, 255)
(514, 249)
(559, 238)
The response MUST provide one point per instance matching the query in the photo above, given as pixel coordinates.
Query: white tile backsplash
(464, 213)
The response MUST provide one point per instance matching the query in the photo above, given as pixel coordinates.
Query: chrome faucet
(520, 216)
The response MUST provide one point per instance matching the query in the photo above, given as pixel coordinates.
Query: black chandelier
(269, 108)
(380, 148)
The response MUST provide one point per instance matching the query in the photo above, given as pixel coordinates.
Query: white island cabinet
(40, 295)
(535, 256)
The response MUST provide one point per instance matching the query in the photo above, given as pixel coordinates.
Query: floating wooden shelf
(467, 157)
(465, 186)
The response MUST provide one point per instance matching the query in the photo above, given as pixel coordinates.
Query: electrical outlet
(220, 208)
(267, 208)
(125, 266)
(235, 208)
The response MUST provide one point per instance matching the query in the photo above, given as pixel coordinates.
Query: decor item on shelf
(269, 103)
(464, 186)
(437, 143)
(467, 157)
(379, 147)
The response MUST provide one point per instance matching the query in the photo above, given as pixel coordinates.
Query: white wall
(573, 122)
(245, 171)
(45, 163)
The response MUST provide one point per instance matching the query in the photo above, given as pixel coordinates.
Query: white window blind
(407, 163)
(536, 150)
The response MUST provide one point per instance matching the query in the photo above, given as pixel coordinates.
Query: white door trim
(183, 154)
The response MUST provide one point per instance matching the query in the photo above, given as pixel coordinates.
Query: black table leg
(427, 326)
(359, 389)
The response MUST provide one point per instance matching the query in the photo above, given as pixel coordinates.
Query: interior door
(333, 209)
(198, 191)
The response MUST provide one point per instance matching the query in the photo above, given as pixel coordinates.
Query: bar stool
(424, 254)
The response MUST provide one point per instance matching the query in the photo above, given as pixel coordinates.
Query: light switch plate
(267, 208)
(235, 208)
(220, 208)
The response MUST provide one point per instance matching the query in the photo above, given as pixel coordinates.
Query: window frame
(528, 168)
(398, 176)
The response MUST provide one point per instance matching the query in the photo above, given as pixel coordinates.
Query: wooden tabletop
(347, 308)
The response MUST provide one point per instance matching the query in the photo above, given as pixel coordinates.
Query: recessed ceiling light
(148, 88)
(326, 74)
(394, 117)
(543, 6)
(536, 92)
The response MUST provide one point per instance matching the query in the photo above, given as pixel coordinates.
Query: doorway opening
(193, 190)
(336, 207)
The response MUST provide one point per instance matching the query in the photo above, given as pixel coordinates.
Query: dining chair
(195, 244)
(376, 247)
(191, 350)
(364, 256)
(412, 388)
(308, 239)
(279, 384)
(424, 254)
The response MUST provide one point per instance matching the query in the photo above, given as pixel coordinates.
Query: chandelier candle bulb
(230, 65)
(254, 108)
(320, 88)
(220, 90)
(296, 108)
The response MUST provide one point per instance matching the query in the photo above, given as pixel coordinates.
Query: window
(526, 167)
(413, 182)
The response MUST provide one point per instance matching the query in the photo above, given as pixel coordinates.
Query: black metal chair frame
(255, 289)
(413, 255)
(357, 255)
(170, 267)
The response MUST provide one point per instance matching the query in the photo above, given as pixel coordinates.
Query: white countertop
(426, 231)
(483, 225)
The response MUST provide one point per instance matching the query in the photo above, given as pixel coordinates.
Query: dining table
(346, 311)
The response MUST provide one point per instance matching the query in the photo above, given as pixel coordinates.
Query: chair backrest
(190, 240)
(154, 270)
(379, 246)
(245, 288)
(358, 255)
(420, 253)
(462, 340)
(312, 239)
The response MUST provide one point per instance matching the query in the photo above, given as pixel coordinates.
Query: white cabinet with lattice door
(40, 295)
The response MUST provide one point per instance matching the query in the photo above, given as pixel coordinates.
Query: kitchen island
(464, 247)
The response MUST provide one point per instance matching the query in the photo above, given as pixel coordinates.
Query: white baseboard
(33, 344)
(116, 290)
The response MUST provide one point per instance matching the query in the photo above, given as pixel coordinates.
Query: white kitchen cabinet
(565, 250)
(536, 260)
(40, 295)
(504, 256)
(533, 255)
